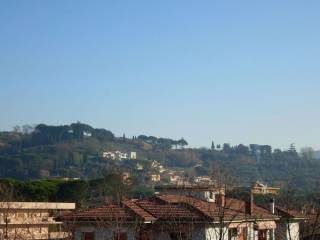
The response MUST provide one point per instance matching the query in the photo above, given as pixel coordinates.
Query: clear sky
(228, 71)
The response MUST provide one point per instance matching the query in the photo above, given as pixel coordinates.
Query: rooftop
(170, 208)
(186, 186)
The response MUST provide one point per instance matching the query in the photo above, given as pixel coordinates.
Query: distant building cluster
(118, 155)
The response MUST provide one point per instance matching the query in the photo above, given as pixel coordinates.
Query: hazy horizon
(237, 72)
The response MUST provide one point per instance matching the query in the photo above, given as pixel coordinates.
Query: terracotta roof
(288, 213)
(131, 204)
(234, 209)
(186, 186)
(108, 212)
(208, 209)
(167, 211)
(261, 213)
(171, 207)
(258, 212)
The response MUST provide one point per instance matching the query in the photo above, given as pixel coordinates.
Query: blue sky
(228, 71)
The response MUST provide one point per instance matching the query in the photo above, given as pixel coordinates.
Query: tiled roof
(108, 212)
(171, 207)
(261, 213)
(257, 211)
(234, 209)
(289, 213)
(186, 186)
(131, 204)
(210, 210)
(167, 211)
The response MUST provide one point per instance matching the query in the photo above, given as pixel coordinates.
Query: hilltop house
(157, 166)
(155, 177)
(203, 180)
(133, 155)
(139, 166)
(173, 176)
(32, 220)
(118, 155)
(179, 213)
(260, 188)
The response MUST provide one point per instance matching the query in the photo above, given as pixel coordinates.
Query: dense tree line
(73, 150)
(164, 143)
(44, 151)
(44, 134)
(83, 193)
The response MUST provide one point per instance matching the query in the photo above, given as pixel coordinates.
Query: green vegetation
(84, 193)
(74, 151)
(68, 151)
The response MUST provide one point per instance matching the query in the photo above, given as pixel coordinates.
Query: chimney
(272, 205)
(249, 204)
(221, 198)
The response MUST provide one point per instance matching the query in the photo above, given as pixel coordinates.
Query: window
(262, 235)
(87, 236)
(232, 233)
(120, 235)
(211, 195)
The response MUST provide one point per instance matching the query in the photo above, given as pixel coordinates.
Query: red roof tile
(109, 212)
(289, 213)
(131, 204)
(208, 209)
(171, 207)
(162, 210)
(233, 209)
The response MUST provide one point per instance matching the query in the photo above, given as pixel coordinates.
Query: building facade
(32, 220)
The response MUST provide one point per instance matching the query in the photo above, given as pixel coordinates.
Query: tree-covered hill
(70, 150)
(74, 150)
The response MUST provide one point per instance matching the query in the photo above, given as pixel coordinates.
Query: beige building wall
(31, 220)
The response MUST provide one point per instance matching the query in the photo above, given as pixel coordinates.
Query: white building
(175, 179)
(118, 155)
(203, 179)
(133, 155)
(87, 134)
(139, 166)
(157, 166)
(121, 155)
(155, 177)
(109, 155)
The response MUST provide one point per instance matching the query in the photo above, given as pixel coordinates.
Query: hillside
(76, 151)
